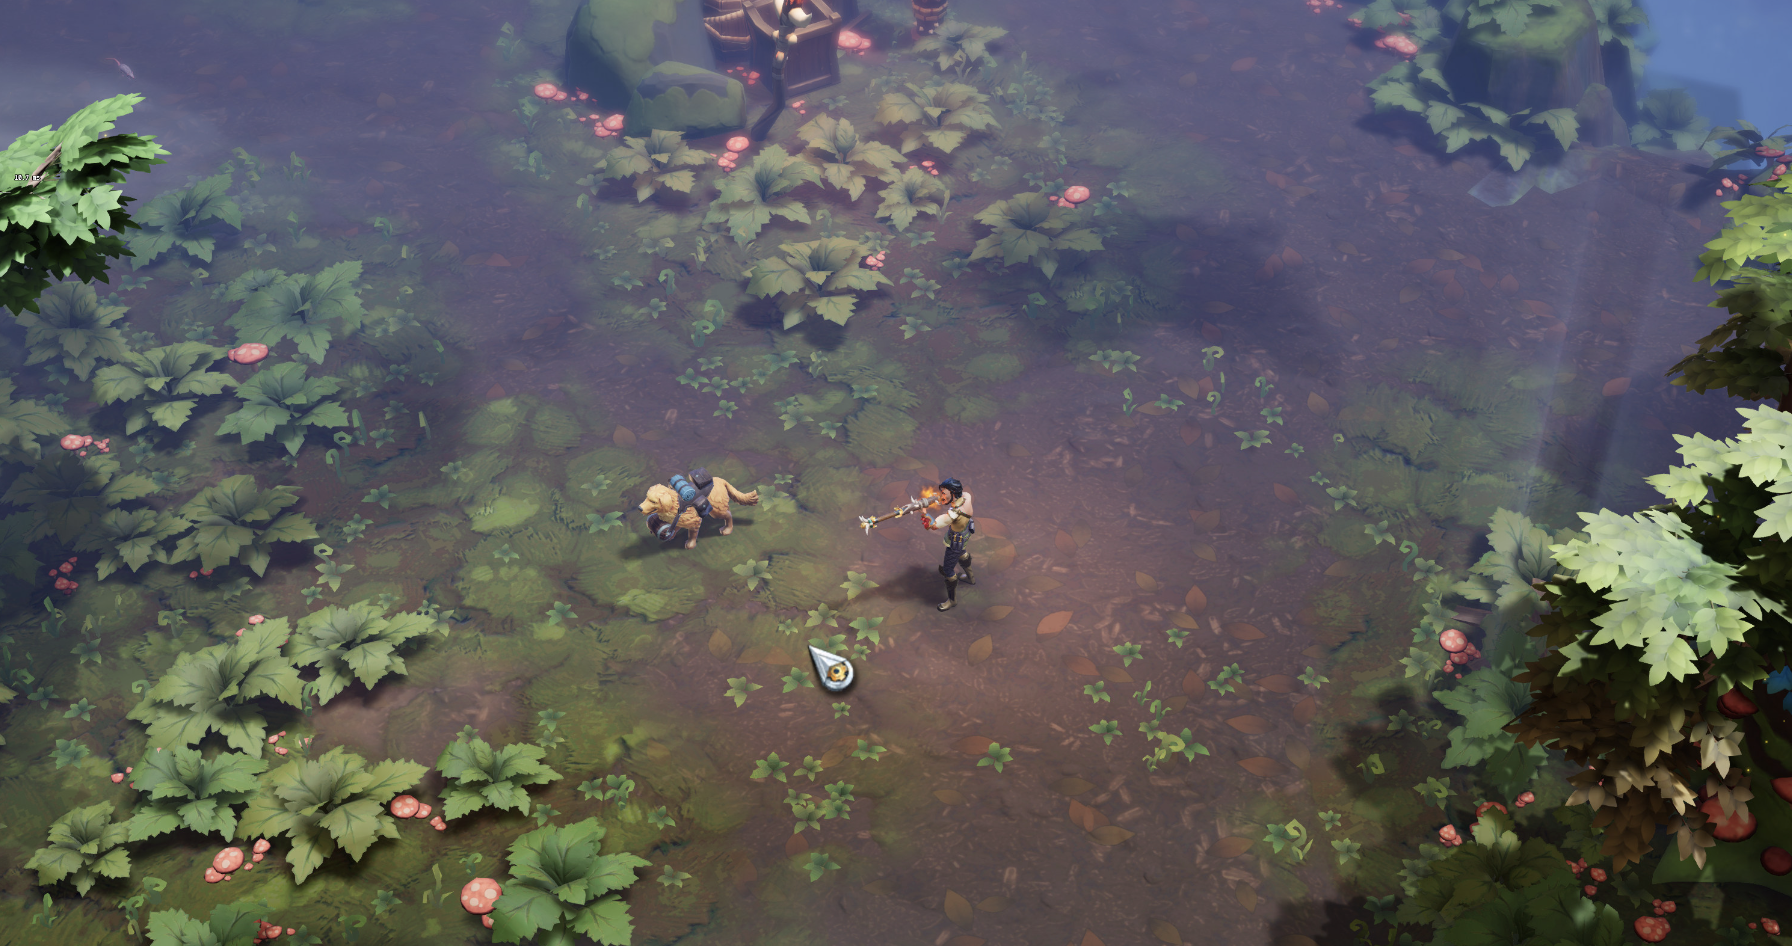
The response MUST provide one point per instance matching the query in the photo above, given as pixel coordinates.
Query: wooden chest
(813, 60)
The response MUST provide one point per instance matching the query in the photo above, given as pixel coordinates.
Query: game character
(683, 505)
(959, 526)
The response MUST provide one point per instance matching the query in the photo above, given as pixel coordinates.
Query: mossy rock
(496, 424)
(506, 504)
(992, 367)
(879, 434)
(507, 591)
(622, 470)
(832, 491)
(555, 429)
(972, 410)
(802, 581)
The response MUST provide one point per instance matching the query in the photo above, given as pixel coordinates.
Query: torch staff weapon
(913, 505)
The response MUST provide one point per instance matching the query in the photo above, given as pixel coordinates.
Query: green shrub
(480, 776)
(334, 801)
(164, 384)
(181, 788)
(358, 642)
(563, 886)
(84, 846)
(70, 323)
(214, 689)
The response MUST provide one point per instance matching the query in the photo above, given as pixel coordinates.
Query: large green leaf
(130, 538)
(83, 846)
(181, 787)
(300, 307)
(357, 824)
(330, 801)
(23, 421)
(480, 775)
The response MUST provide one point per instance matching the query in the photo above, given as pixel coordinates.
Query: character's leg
(691, 543)
(727, 523)
(951, 595)
(949, 571)
(964, 564)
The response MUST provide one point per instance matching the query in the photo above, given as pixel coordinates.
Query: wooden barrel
(730, 32)
(927, 15)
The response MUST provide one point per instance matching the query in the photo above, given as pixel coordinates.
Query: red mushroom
(262, 846)
(212, 876)
(487, 920)
(1526, 799)
(1076, 193)
(404, 806)
(545, 90)
(1651, 929)
(227, 860)
(1453, 641)
(1734, 705)
(72, 442)
(1770, 926)
(1776, 861)
(117, 777)
(1598, 874)
(1736, 827)
(478, 896)
(257, 619)
(739, 143)
(422, 811)
(438, 824)
(848, 40)
(248, 353)
(615, 122)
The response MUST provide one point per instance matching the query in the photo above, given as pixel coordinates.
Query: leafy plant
(1744, 356)
(22, 422)
(1223, 682)
(480, 776)
(959, 46)
(739, 687)
(300, 307)
(279, 401)
(941, 114)
(181, 788)
(844, 159)
(857, 583)
(69, 323)
(68, 494)
(333, 801)
(1669, 121)
(751, 196)
(866, 752)
(69, 751)
(1030, 228)
(819, 275)
(53, 222)
(211, 690)
(358, 642)
(1249, 439)
(770, 767)
(561, 886)
(178, 218)
(754, 572)
(654, 161)
(84, 846)
(819, 864)
(1418, 86)
(910, 193)
(996, 755)
(236, 519)
(164, 384)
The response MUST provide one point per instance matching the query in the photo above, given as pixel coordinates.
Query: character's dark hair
(952, 485)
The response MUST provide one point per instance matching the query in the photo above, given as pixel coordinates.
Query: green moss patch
(972, 410)
(992, 367)
(495, 424)
(518, 593)
(879, 434)
(555, 429)
(832, 491)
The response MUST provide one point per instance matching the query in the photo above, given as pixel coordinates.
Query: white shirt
(959, 507)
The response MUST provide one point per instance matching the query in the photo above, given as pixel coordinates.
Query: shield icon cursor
(836, 671)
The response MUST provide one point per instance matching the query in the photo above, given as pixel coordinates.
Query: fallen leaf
(1053, 623)
(1175, 703)
(1193, 685)
(1286, 495)
(754, 654)
(1318, 405)
(949, 796)
(1190, 432)
(1188, 80)
(778, 658)
(1071, 785)
(1090, 939)
(1420, 265)
(1347, 248)
(1086, 817)
(1145, 582)
(1488, 281)
(1317, 652)
(1393, 197)
(1209, 521)
(1187, 234)
(1215, 308)
(1472, 262)
(1508, 284)
(797, 846)
(1538, 307)
(1231, 847)
(1276, 179)
(1305, 710)
(1203, 550)
(1040, 583)
(1290, 257)
(980, 650)
(1453, 290)
(1297, 192)
(1410, 293)
(496, 260)
(385, 100)
(1342, 568)
(1247, 896)
(1388, 344)
(992, 526)
(1064, 542)
(1016, 450)
(1109, 834)
(1195, 600)
(1244, 632)
(1249, 725)
(1298, 753)
(1407, 149)
(1279, 683)
(882, 887)
(515, 364)
(1615, 387)
(958, 910)
(993, 904)
(1341, 317)
(1450, 313)
(719, 645)
(494, 392)
(1211, 332)
(1115, 675)
(966, 939)
(1241, 65)
(1262, 766)
(387, 167)
(1450, 255)
(626, 359)
(1184, 619)
(901, 615)
(1000, 554)
(623, 437)
(997, 613)
(1166, 931)
(973, 745)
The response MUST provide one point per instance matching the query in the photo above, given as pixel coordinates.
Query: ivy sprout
(382, 495)
(561, 613)
(1097, 692)
(997, 755)
(1295, 450)
(912, 326)
(1177, 635)
(1223, 682)
(1272, 415)
(1255, 438)
(819, 864)
(829, 428)
(1313, 679)
(604, 522)
(770, 767)
(867, 752)
(796, 679)
(504, 553)
(1128, 652)
(918, 238)
(655, 306)
(725, 409)
(739, 687)
(1330, 819)
(1107, 729)
(1379, 532)
(1166, 402)
(842, 709)
(625, 281)
(1341, 496)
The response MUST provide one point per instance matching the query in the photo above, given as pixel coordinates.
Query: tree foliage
(1750, 354)
(66, 493)
(819, 275)
(214, 689)
(84, 846)
(1654, 616)
(655, 162)
(70, 323)
(358, 642)
(844, 159)
(163, 384)
(1669, 120)
(562, 887)
(309, 308)
(335, 801)
(53, 228)
(181, 218)
(237, 519)
(279, 401)
(940, 114)
(480, 776)
(182, 788)
(1030, 228)
(752, 195)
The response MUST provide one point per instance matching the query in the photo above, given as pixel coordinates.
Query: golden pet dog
(683, 506)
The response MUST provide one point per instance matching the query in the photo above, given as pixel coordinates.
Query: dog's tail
(748, 499)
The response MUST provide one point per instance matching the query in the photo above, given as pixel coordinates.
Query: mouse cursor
(836, 671)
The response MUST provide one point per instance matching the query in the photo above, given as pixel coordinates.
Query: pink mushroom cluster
(63, 583)
(266, 931)
(749, 76)
(606, 127)
(274, 739)
(407, 806)
(551, 92)
(1524, 799)
(735, 145)
(1400, 43)
(1457, 645)
(119, 776)
(248, 353)
(80, 443)
(876, 261)
(479, 896)
(853, 41)
(1448, 836)
(224, 864)
(1320, 6)
(1651, 929)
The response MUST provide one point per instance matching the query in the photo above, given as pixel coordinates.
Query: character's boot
(965, 563)
(951, 595)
